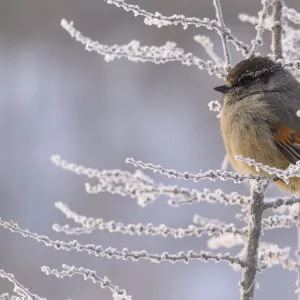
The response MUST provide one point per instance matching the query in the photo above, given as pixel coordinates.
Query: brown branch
(254, 232)
(277, 30)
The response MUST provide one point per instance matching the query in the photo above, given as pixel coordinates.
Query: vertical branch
(277, 53)
(298, 255)
(223, 36)
(277, 30)
(260, 27)
(254, 232)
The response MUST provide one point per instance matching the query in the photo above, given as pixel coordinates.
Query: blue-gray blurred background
(55, 97)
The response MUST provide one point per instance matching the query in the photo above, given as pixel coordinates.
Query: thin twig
(133, 51)
(277, 30)
(19, 289)
(298, 255)
(88, 225)
(159, 20)
(208, 46)
(280, 202)
(260, 27)
(254, 232)
(211, 174)
(222, 34)
(104, 282)
(124, 254)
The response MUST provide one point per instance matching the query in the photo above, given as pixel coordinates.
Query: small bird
(259, 117)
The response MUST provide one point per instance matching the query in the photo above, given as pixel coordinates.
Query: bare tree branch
(159, 20)
(19, 289)
(222, 34)
(287, 201)
(133, 51)
(69, 271)
(97, 250)
(260, 27)
(277, 29)
(210, 175)
(254, 232)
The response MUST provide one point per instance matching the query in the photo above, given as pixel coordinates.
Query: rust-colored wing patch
(287, 141)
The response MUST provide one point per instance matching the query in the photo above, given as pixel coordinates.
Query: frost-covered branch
(159, 20)
(215, 106)
(89, 225)
(277, 29)
(278, 221)
(270, 255)
(285, 175)
(125, 253)
(219, 15)
(137, 53)
(22, 292)
(216, 196)
(254, 233)
(147, 229)
(208, 46)
(105, 283)
(210, 175)
(286, 201)
(262, 15)
(7, 296)
(138, 186)
(291, 14)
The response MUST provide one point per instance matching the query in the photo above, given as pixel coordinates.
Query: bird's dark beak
(222, 89)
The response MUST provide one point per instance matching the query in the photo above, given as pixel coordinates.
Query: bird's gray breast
(245, 128)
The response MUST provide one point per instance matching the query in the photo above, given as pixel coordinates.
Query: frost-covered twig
(260, 27)
(138, 186)
(125, 253)
(278, 221)
(135, 185)
(208, 46)
(88, 225)
(291, 14)
(277, 29)
(19, 289)
(216, 196)
(69, 271)
(286, 201)
(285, 175)
(136, 53)
(216, 106)
(254, 232)
(7, 296)
(159, 20)
(211, 175)
(297, 291)
(219, 15)
(147, 229)
(270, 255)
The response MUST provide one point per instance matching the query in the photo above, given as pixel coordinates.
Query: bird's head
(250, 76)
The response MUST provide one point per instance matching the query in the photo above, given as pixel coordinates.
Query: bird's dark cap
(252, 68)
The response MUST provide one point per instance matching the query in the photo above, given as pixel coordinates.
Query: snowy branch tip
(211, 174)
(134, 52)
(69, 271)
(159, 20)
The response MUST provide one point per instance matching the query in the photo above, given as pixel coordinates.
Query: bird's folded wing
(287, 141)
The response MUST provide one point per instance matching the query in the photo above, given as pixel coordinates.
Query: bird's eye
(245, 80)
